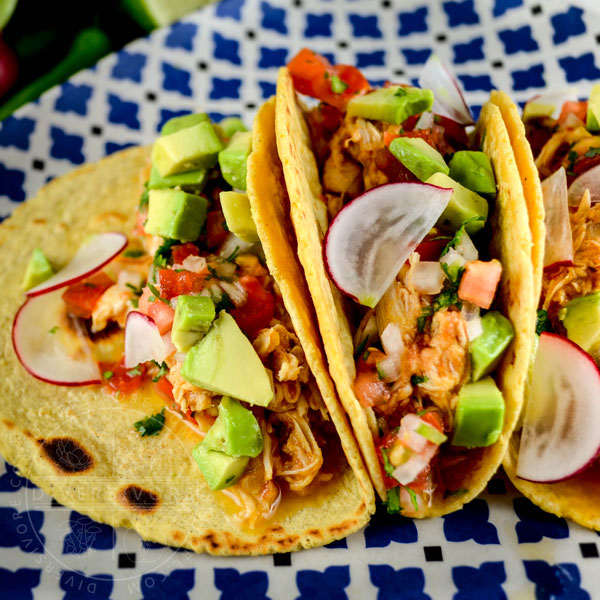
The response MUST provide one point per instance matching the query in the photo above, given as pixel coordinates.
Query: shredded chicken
(113, 305)
(188, 396)
(562, 140)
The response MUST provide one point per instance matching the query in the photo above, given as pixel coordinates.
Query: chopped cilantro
(107, 374)
(54, 329)
(361, 347)
(151, 299)
(453, 272)
(400, 92)
(388, 467)
(366, 355)
(224, 303)
(393, 501)
(572, 156)
(423, 319)
(137, 291)
(455, 241)
(151, 425)
(144, 198)
(543, 322)
(233, 255)
(157, 295)
(135, 371)
(212, 271)
(413, 498)
(380, 373)
(458, 492)
(417, 379)
(592, 152)
(164, 252)
(134, 302)
(133, 253)
(162, 370)
(337, 85)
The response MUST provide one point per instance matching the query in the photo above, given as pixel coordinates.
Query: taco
(552, 457)
(431, 379)
(183, 387)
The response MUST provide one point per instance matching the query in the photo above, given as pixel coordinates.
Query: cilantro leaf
(54, 329)
(400, 92)
(164, 252)
(543, 322)
(151, 425)
(157, 295)
(225, 303)
(135, 371)
(162, 370)
(233, 255)
(361, 347)
(107, 375)
(388, 467)
(592, 152)
(144, 199)
(337, 85)
(136, 291)
(133, 253)
(455, 241)
(413, 498)
(393, 501)
(417, 379)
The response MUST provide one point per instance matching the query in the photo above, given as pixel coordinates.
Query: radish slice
(560, 434)
(466, 248)
(590, 180)
(559, 240)
(549, 104)
(371, 237)
(91, 257)
(49, 345)
(449, 101)
(143, 342)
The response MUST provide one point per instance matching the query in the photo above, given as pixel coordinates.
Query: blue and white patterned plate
(224, 60)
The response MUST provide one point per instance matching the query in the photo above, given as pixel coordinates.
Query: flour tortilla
(578, 498)
(511, 244)
(79, 444)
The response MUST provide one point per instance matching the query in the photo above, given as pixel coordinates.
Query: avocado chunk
(418, 157)
(233, 159)
(236, 431)
(479, 414)
(464, 205)
(219, 470)
(191, 181)
(38, 270)
(487, 348)
(188, 149)
(393, 104)
(193, 318)
(225, 362)
(178, 123)
(581, 318)
(593, 111)
(474, 171)
(238, 216)
(230, 125)
(175, 214)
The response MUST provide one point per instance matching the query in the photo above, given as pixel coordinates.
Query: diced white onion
(452, 257)
(195, 264)
(391, 339)
(225, 270)
(409, 471)
(590, 180)
(235, 291)
(466, 248)
(233, 243)
(425, 121)
(427, 277)
(471, 314)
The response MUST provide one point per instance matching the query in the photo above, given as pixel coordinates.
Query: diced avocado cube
(178, 123)
(487, 348)
(464, 205)
(238, 216)
(474, 171)
(193, 318)
(38, 270)
(191, 181)
(188, 149)
(236, 431)
(418, 157)
(219, 470)
(479, 414)
(234, 157)
(581, 318)
(231, 125)
(593, 111)
(393, 104)
(225, 362)
(175, 214)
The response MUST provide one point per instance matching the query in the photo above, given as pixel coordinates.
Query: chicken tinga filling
(558, 440)
(427, 338)
(188, 306)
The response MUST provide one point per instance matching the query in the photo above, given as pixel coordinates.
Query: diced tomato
(173, 283)
(423, 480)
(454, 133)
(430, 250)
(140, 219)
(215, 228)
(434, 419)
(389, 137)
(395, 171)
(160, 313)
(386, 442)
(164, 387)
(123, 379)
(369, 389)
(578, 108)
(81, 297)
(180, 253)
(312, 75)
(331, 116)
(410, 123)
(258, 310)
(479, 282)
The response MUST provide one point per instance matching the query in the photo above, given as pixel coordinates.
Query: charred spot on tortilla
(138, 499)
(66, 455)
(8, 423)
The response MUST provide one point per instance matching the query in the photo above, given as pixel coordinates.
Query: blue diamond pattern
(182, 36)
(226, 49)
(318, 25)
(129, 66)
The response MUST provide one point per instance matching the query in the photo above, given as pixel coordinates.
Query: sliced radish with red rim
(559, 239)
(549, 104)
(143, 341)
(371, 237)
(50, 345)
(449, 101)
(91, 257)
(560, 436)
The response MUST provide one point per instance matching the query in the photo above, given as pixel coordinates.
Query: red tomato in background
(81, 297)
(181, 252)
(123, 379)
(215, 228)
(257, 312)
(160, 313)
(172, 283)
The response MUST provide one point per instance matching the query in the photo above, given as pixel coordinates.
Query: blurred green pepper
(89, 46)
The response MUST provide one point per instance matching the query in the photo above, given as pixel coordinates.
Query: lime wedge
(7, 7)
(156, 13)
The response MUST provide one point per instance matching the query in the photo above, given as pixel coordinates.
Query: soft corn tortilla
(578, 498)
(511, 244)
(79, 444)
